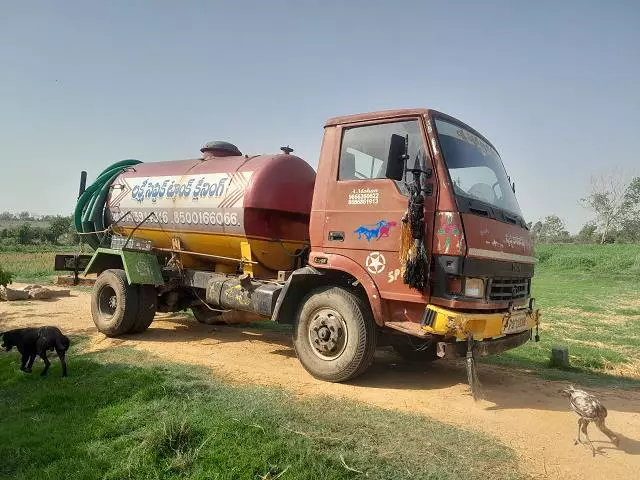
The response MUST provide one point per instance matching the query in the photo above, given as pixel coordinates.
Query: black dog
(36, 341)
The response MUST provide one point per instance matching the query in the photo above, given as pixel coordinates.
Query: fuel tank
(214, 204)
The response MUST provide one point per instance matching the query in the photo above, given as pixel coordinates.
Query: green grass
(589, 298)
(110, 420)
(610, 260)
(45, 247)
(29, 266)
(32, 263)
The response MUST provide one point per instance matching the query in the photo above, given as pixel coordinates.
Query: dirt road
(522, 411)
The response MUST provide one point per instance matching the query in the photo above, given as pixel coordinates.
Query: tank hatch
(219, 148)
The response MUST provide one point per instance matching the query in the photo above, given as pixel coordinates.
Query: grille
(503, 289)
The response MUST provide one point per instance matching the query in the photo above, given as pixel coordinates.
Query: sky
(555, 86)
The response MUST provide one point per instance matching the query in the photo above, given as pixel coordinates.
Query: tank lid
(220, 147)
(286, 150)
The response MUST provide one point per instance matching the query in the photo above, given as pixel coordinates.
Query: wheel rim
(327, 334)
(107, 301)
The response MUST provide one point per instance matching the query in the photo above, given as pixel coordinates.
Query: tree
(630, 224)
(58, 226)
(26, 234)
(606, 198)
(7, 216)
(535, 230)
(587, 233)
(552, 230)
(24, 216)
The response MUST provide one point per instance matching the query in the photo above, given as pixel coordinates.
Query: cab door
(364, 209)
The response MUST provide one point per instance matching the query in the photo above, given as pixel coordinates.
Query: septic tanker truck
(409, 235)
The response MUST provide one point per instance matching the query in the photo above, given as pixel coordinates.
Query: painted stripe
(510, 257)
(123, 193)
(240, 184)
(232, 199)
(125, 230)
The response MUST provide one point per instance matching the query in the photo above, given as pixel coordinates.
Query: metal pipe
(83, 183)
(207, 255)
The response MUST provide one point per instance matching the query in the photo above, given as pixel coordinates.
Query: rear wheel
(114, 303)
(147, 307)
(205, 315)
(335, 335)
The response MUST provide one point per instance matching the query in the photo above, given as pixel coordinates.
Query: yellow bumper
(449, 323)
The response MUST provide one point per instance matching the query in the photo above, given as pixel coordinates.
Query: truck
(409, 236)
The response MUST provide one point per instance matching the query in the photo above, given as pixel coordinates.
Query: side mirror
(397, 157)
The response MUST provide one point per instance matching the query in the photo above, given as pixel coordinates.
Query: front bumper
(490, 327)
(483, 348)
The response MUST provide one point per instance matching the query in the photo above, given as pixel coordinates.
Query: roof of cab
(364, 117)
(399, 113)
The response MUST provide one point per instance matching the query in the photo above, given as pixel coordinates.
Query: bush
(543, 256)
(52, 231)
(5, 277)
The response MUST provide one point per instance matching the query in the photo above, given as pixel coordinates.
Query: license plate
(516, 324)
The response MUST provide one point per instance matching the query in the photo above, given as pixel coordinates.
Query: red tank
(215, 203)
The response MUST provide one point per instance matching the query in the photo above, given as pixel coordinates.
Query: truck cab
(478, 247)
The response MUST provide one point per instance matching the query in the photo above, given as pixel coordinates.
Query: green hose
(90, 212)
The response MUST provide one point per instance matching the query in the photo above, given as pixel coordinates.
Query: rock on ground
(34, 292)
(9, 294)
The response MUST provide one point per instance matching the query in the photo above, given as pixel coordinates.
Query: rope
(413, 255)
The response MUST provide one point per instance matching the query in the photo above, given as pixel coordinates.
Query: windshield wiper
(478, 207)
(480, 211)
(510, 219)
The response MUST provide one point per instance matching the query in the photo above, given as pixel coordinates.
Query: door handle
(428, 189)
(336, 236)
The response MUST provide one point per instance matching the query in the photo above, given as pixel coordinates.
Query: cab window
(364, 150)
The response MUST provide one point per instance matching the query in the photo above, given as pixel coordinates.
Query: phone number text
(181, 217)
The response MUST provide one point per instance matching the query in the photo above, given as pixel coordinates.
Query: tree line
(24, 229)
(614, 200)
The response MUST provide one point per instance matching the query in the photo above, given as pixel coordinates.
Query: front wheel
(335, 335)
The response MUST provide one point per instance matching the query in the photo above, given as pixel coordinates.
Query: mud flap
(141, 268)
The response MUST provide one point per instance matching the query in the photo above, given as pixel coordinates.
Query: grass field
(589, 296)
(32, 263)
(113, 421)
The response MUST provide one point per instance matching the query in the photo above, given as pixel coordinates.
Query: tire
(147, 307)
(337, 354)
(407, 351)
(209, 317)
(114, 303)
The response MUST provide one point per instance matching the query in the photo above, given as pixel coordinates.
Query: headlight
(474, 287)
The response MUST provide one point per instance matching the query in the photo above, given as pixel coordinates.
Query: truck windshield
(475, 168)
